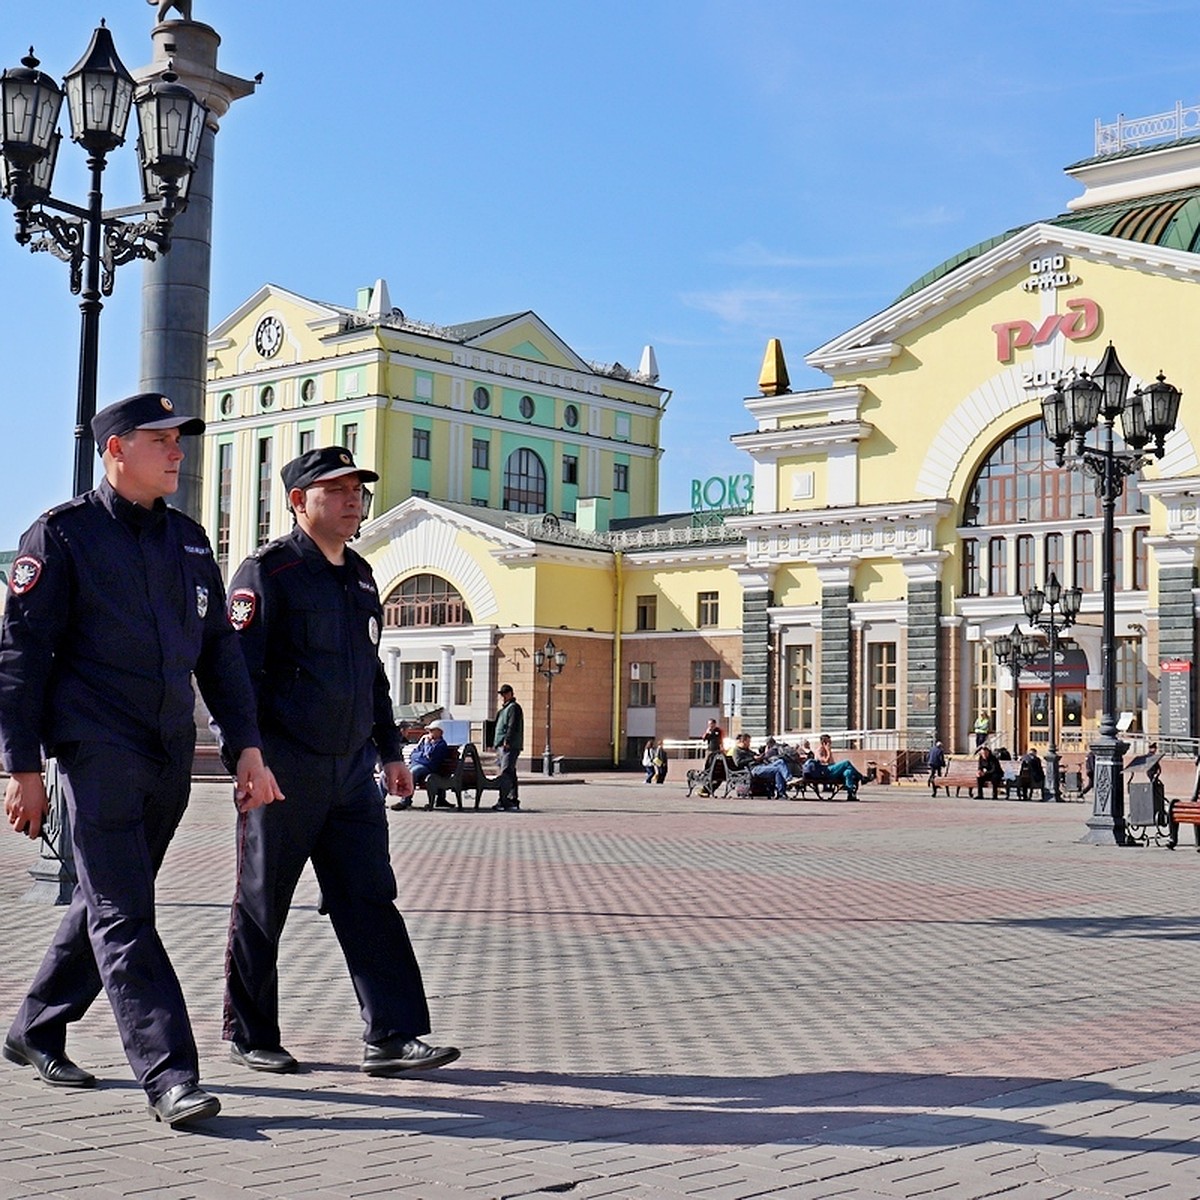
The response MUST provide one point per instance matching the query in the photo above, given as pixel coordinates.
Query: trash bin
(1146, 795)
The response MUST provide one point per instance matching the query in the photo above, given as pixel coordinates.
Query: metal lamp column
(1062, 607)
(1071, 413)
(549, 662)
(100, 95)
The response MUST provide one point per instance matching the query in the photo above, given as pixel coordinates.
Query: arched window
(1018, 485)
(524, 482)
(425, 600)
(1019, 482)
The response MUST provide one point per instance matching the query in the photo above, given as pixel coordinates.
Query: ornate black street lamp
(1016, 650)
(1061, 607)
(549, 662)
(100, 94)
(93, 242)
(1072, 413)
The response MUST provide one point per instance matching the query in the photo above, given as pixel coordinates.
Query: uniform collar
(136, 516)
(312, 554)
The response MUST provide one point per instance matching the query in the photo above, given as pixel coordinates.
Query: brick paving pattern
(660, 997)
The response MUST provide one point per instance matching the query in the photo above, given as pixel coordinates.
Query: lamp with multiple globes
(1072, 413)
(549, 662)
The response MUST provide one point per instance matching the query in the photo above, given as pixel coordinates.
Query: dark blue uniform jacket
(111, 609)
(310, 633)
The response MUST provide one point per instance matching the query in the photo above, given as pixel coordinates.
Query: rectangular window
(642, 692)
(620, 477)
(972, 580)
(1025, 563)
(350, 437)
(463, 677)
(480, 453)
(1130, 696)
(1084, 565)
(224, 503)
(800, 713)
(570, 468)
(1054, 555)
(708, 610)
(997, 566)
(263, 530)
(1141, 562)
(420, 443)
(647, 612)
(983, 683)
(308, 440)
(420, 683)
(706, 683)
(884, 689)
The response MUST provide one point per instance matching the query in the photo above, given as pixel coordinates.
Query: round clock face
(268, 337)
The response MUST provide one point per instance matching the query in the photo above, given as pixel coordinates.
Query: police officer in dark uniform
(309, 616)
(115, 602)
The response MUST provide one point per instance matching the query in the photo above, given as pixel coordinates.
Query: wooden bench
(1183, 812)
(449, 779)
(817, 789)
(960, 775)
(720, 773)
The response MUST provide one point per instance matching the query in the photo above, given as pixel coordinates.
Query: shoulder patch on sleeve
(26, 571)
(243, 605)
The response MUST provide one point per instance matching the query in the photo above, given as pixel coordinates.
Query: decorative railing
(1129, 133)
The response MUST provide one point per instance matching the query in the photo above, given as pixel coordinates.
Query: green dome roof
(1170, 219)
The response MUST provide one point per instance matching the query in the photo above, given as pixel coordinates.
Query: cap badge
(166, 404)
(345, 458)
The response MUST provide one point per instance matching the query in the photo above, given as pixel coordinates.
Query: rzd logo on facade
(1080, 321)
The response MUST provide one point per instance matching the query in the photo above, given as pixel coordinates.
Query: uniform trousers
(124, 808)
(334, 815)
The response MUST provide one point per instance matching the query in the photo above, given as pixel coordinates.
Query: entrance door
(1035, 714)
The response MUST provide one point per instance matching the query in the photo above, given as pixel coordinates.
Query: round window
(483, 399)
(227, 404)
(308, 391)
(267, 396)
(571, 416)
(527, 407)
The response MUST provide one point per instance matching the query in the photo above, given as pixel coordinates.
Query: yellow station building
(898, 514)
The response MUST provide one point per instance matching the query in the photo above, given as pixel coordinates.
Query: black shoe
(184, 1103)
(277, 1060)
(397, 1055)
(403, 802)
(506, 806)
(55, 1069)
(442, 802)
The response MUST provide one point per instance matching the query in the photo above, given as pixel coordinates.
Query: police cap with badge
(146, 410)
(316, 466)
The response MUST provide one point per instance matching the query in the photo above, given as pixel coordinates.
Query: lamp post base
(1106, 825)
(547, 762)
(1053, 775)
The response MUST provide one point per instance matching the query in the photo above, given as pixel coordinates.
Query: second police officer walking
(309, 617)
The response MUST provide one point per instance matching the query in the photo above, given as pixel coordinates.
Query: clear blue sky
(701, 175)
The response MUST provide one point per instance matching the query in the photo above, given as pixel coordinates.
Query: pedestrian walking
(508, 741)
(309, 617)
(115, 603)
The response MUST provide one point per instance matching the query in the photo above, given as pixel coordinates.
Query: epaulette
(188, 520)
(270, 547)
(67, 506)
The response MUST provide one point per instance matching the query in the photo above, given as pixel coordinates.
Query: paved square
(665, 997)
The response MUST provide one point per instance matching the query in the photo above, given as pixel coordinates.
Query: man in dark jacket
(309, 615)
(115, 603)
(508, 742)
